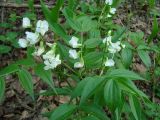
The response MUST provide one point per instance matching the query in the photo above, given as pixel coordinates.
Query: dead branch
(24, 5)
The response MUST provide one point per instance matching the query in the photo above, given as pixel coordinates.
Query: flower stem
(101, 15)
(71, 69)
(103, 58)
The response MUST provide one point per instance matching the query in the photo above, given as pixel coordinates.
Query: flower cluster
(51, 60)
(74, 54)
(32, 37)
(112, 48)
(111, 10)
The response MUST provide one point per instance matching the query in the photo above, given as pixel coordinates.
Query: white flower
(23, 43)
(109, 15)
(42, 27)
(33, 38)
(51, 60)
(74, 42)
(107, 39)
(26, 23)
(109, 32)
(112, 10)
(39, 51)
(123, 45)
(49, 44)
(109, 2)
(48, 55)
(114, 47)
(109, 62)
(79, 64)
(73, 54)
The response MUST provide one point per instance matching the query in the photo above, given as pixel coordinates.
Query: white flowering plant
(91, 54)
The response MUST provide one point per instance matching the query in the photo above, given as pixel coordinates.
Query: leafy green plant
(8, 39)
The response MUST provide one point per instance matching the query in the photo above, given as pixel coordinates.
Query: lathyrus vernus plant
(86, 49)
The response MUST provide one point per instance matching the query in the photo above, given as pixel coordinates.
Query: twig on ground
(24, 5)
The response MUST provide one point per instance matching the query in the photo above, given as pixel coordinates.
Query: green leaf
(31, 5)
(135, 107)
(151, 3)
(4, 49)
(79, 88)
(129, 86)
(155, 30)
(124, 74)
(90, 87)
(59, 91)
(63, 112)
(127, 56)
(71, 4)
(2, 88)
(55, 27)
(55, 10)
(9, 69)
(45, 75)
(52, 20)
(30, 50)
(98, 99)
(2, 38)
(79, 23)
(94, 33)
(92, 42)
(95, 110)
(30, 15)
(91, 118)
(137, 37)
(53, 14)
(93, 59)
(144, 47)
(64, 52)
(26, 62)
(85, 23)
(118, 34)
(25, 79)
(5, 25)
(144, 55)
(11, 36)
(112, 95)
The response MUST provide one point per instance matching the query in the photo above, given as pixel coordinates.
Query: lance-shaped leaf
(135, 107)
(91, 118)
(127, 56)
(90, 87)
(63, 112)
(95, 110)
(52, 16)
(9, 69)
(79, 88)
(45, 75)
(2, 88)
(25, 79)
(144, 55)
(112, 95)
(124, 74)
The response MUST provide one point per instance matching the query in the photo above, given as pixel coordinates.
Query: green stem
(154, 80)
(71, 69)
(81, 55)
(101, 15)
(82, 44)
(103, 58)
